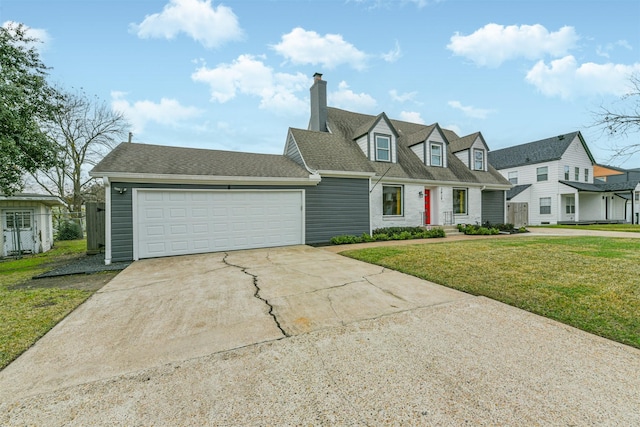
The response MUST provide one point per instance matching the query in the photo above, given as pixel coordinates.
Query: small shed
(27, 224)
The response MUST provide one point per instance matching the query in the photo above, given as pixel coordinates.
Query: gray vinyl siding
(337, 206)
(333, 207)
(493, 207)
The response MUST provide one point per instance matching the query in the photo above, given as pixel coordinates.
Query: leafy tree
(623, 119)
(81, 130)
(26, 99)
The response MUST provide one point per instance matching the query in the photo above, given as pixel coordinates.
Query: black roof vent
(560, 137)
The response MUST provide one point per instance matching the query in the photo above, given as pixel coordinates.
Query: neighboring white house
(555, 177)
(626, 179)
(27, 225)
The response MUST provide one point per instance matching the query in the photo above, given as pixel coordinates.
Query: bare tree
(623, 119)
(83, 130)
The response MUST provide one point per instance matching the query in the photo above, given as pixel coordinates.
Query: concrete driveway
(300, 335)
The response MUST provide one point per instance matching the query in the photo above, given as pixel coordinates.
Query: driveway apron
(304, 336)
(169, 309)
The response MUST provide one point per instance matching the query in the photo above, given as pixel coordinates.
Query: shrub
(478, 230)
(69, 230)
(390, 233)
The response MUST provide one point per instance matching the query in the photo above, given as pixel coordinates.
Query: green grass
(634, 228)
(592, 283)
(27, 314)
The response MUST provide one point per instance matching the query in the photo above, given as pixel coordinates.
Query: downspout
(107, 221)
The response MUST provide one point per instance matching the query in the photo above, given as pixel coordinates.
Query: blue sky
(236, 75)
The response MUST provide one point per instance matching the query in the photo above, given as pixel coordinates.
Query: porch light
(421, 194)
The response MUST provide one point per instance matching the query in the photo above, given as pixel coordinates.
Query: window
(478, 160)
(18, 219)
(545, 205)
(566, 173)
(542, 173)
(577, 174)
(391, 200)
(637, 196)
(513, 177)
(460, 201)
(383, 148)
(586, 175)
(436, 155)
(570, 206)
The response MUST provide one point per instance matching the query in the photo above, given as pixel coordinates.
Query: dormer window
(436, 154)
(478, 160)
(383, 148)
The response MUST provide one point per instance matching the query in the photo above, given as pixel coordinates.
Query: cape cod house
(348, 173)
(554, 177)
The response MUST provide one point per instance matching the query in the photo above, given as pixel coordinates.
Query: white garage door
(183, 222)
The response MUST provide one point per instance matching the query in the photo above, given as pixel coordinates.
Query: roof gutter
(313, 179)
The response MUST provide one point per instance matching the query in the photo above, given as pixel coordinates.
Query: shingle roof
(463, 143)
(517, 189)
(338, 151)
(602, 187)
(544, 150)
(163, 160)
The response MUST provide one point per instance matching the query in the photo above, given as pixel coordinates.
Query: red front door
(427, 207)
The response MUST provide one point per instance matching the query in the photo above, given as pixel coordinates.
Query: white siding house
(555, 177)
(27, 225)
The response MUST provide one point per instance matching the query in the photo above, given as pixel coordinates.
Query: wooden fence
(95, 227)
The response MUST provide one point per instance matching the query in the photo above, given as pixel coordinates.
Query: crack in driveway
(256, 294)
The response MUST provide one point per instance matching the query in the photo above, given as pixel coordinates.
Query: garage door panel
(182, 222)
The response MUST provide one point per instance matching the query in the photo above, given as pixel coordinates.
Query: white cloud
(404, 97)
(566, 78)
(604, 50)
(494, 44)
(347, 99)
(41, 35)
(167, 112)
(248, 75)
(303, 47)
(393, 55)
(209, 25)
(411, 116)
(473, 112)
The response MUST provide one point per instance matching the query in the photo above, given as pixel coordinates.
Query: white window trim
(401, 187)
(546, 174)
(481, 151)
(513, 175)
(541, 205)
(567, 173)
(570, 202)
(388, 138)
(466, 201)
(441, 147)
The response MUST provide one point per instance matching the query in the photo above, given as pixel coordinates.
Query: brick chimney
(318, 120)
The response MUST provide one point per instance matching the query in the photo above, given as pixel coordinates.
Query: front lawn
(634, 228)
(591, 283)
(27, 314)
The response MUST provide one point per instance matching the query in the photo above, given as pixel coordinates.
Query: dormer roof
(338, 151)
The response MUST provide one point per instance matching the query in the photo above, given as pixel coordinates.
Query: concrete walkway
(300, 335)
